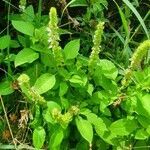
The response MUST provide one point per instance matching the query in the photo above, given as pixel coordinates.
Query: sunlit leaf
(26, 55)
(44, 83)
(39, 137)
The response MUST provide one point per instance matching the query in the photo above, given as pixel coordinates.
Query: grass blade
(137, 15)
(124, 21)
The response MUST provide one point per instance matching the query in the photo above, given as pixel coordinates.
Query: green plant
(136, 59)
(71, 100)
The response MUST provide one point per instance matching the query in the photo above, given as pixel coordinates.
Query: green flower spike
(94, 57)
(30, 93)
(53, 37)
(65, 119)
(139, 54)
(23, 78)
(135, 61)
(22, 5)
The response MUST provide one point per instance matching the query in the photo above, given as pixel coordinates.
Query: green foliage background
(75, 75)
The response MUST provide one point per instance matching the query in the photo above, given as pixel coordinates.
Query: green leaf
(40, 48)
(98, 123)
(142, 144)
(123, 127)
(129, 4)
(107, 84)
(124, 21)
(148, 129)
(63, 31)
(76, 79)
(141, 134)
(71, 49)
(90, 89)
(146, 102)
(143, 103)
(51, 105)
(39, 137)
(28, 14)
(23, 27)
(44, 83)
(107, 68)
(37, 117)
(85, 129)
(4, 42)
(14, 44)
(65, 103)
(63, 88)
(40, 34)
(22, 40)
(56, 139)
(144, 121)
(1, 57)
(26, 55)
(6, 88)
(82, 145)
(47, 114)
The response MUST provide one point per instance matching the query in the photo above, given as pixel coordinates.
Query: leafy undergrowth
(78, 80)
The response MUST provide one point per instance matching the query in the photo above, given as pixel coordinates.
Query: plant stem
(39, 10)
(8, 49)
(5, 113)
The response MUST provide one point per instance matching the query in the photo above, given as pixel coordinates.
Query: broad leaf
(56, 139)
(26, 55)
(148, 129)
(107, 84)
(146, 103)
(123, 127)
(14, 44)
(71, 49)
(4, 41)
(142, 144)
(39, 137)
(23, 27)
(22, 40)
(143, 103)
(107, 68)
(47, 114)
(100, 125)
(90, 89)
(85, 129)
(141, 134)
(63, 88)
(78, 80)
(28, 14)
(6, 88)
(44, 83)
(97, 122)
(144, 121)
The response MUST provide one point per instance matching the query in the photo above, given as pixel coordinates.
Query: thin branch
(5, 113)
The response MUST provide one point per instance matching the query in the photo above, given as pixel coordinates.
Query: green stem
(8, 49)
(39, 10)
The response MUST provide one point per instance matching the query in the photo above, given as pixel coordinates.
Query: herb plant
(68, 99)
